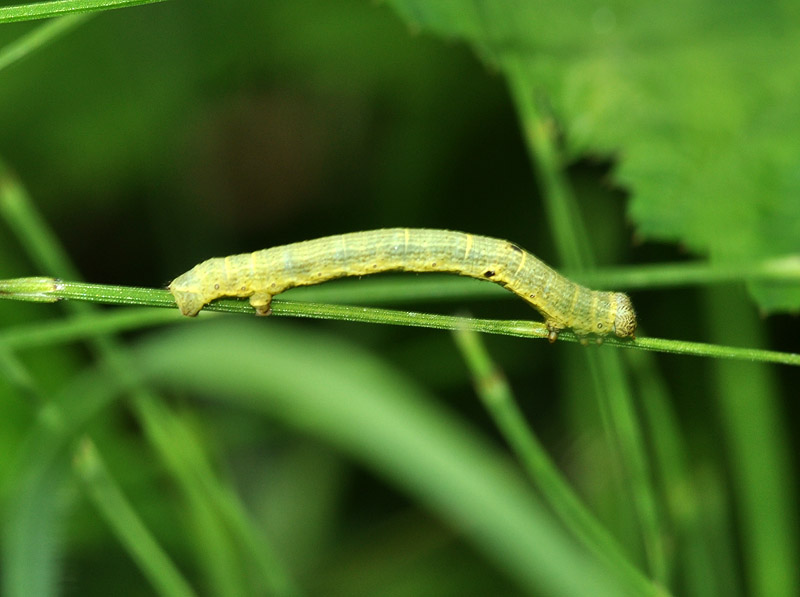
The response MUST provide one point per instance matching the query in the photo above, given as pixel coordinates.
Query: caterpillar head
(625, 318)
(189, 302)
(191, 292)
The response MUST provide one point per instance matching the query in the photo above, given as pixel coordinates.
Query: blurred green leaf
(696, 100)
(346, 397)
(55, 8)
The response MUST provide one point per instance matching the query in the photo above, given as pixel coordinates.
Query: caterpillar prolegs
(263, 274)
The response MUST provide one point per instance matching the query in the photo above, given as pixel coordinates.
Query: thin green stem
(785, 268)
(539, 130)
(762, 456)
(38, 38)
(120, 515)
(48, 289)
(571, 239)
(683, 496)
(498, 398)
(56, 8)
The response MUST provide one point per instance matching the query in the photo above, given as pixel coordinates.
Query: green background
(151, 138)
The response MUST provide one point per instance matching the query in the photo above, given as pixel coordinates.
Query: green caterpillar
(263, 274)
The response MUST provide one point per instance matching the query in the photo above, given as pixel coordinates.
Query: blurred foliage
(154, 137)
(697, 100)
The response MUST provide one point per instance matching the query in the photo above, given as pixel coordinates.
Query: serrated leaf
(697, 101)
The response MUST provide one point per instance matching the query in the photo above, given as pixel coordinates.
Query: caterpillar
(263, 274)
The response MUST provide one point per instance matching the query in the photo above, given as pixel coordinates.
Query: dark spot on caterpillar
(599, 325)
(433, 264)
(514, 247)
(488, 273)
(244, 288)
(216, 286)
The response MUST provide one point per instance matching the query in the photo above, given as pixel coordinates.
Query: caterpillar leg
(554, 329)
(261, 301)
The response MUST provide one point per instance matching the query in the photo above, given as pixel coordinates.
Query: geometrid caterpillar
(263, 274)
